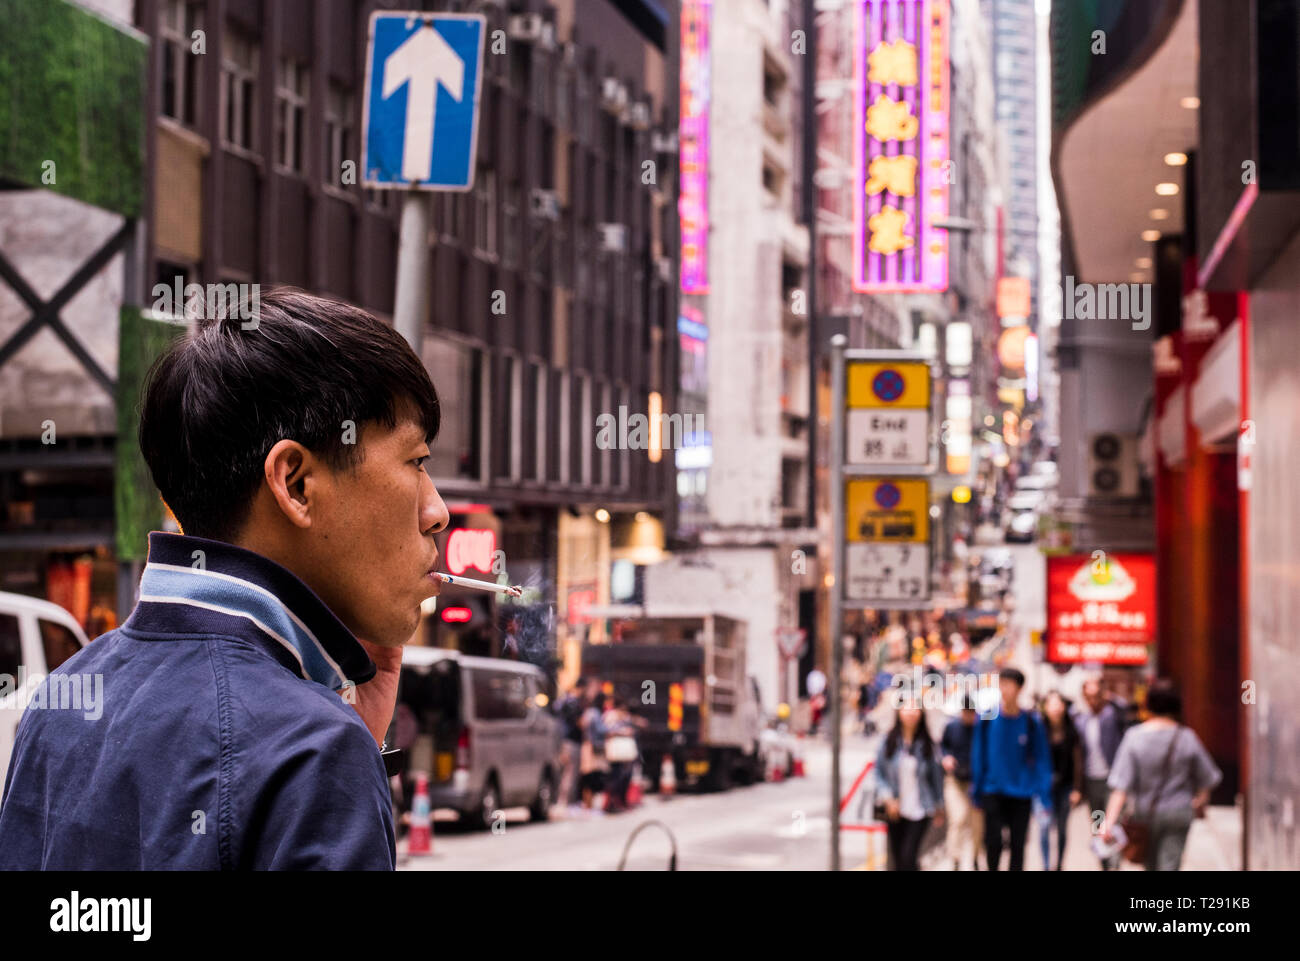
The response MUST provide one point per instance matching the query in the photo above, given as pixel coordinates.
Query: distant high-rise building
(1015, 66)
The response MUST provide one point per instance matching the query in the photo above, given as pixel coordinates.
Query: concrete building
(72, 173)
(744, 548)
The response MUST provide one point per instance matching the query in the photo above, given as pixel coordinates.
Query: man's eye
(419, 461)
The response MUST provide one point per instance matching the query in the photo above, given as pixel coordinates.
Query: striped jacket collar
(195, 585)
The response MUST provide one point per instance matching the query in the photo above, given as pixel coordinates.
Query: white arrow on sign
(424, 60)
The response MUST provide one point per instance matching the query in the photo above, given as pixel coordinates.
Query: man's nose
(434, 516)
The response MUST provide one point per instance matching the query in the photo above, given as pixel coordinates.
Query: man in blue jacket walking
(1011, 764)
(247, 695)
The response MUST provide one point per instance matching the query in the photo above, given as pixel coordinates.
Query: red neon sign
(467, 547)
(1101, 608)
(457, 615)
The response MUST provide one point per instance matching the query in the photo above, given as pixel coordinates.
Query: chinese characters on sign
(693, 203)
(887, 534)
(901, 186)
(1101, 608)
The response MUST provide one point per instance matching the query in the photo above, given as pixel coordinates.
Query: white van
(481, 729)
(36, 636)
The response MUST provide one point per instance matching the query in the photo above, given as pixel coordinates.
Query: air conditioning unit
(527, 27)
(613, 95)
(663, 142)
(543, 204)
(1112, 465)
(613, 237)
(637, 116)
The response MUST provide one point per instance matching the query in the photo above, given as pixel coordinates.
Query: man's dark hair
(219, 399)
(1011, 674)
(1163, 698)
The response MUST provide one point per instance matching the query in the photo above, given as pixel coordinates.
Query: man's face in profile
(373, 528)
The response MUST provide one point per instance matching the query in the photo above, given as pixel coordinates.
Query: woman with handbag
(620, 751)
(909, 785)
(591, 758)
(1164, 771)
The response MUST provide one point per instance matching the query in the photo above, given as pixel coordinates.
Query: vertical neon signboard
(901, 146)
(693, 201)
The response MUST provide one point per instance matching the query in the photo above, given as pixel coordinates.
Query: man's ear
(290, 472)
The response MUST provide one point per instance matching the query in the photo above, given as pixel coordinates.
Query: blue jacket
(929, 774)
(1011, 756)
(222, 740)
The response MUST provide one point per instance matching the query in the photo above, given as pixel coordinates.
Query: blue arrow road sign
(423, 76)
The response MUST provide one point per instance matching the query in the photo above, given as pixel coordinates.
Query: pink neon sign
(467, 547)
(693, 135)
(901, 146)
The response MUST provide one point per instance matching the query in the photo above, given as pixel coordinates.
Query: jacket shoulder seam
(225, 759)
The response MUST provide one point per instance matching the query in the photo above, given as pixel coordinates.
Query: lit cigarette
(480, 585)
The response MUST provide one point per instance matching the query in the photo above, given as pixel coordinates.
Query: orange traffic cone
(634, 790)
(798, 757)
(667, 777)
(419, 839)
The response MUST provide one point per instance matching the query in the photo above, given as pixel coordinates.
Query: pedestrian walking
(965, 837)
(570, 710)
(1067, 775)
(1010, 766)
(1163, 772)
(909, 784)
(1100, 722)
(621, 752)
(593, 765)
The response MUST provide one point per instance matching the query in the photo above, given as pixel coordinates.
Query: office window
(589, 431)
(607, 455)
(511, 227)
(457, 370)
(339, 134)
(290, 114)
(543, 91)
(563, 98)
(514, 407)
(564, 473)
(178, 20)
(583, 108)
(485, 212)
(238, 91)
(541, 424)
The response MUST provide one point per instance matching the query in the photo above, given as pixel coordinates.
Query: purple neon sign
(901, 146)
(693, 201)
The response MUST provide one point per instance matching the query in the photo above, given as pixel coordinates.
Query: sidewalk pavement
(1213, 844)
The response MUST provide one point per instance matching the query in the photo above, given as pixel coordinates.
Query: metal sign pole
(411, 298)
(838, 344)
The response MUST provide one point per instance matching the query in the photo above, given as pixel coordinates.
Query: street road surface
(764, 827)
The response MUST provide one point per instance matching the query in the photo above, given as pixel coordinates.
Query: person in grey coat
(909, 784)
(1163, 769)
(1101, 724)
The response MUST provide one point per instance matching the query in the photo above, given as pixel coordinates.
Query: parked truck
(683, 671)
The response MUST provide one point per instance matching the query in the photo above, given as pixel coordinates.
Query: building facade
(552, 287)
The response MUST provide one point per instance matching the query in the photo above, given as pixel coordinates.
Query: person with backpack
(1164, 770)
(1011, 765)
